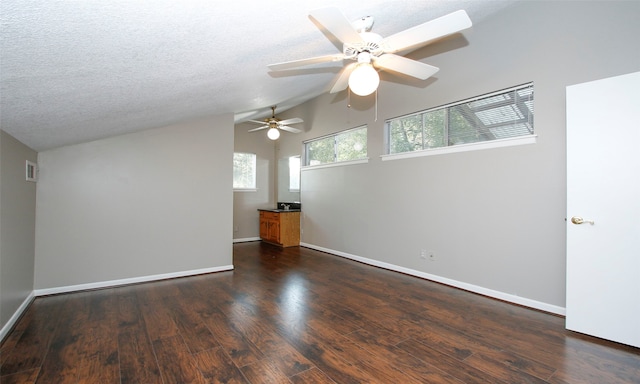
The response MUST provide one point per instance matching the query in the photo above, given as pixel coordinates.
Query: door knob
(579, 220)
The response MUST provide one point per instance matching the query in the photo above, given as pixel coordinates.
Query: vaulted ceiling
(80, 70)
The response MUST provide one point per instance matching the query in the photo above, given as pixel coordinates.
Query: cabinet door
(274, 231)
(264, 228)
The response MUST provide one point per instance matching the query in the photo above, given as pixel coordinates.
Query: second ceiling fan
(275, 125)
(372, 52)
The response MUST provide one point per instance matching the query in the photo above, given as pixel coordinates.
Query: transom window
(500, 115)
(338, 147)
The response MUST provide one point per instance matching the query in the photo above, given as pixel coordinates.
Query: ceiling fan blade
(342, 80)
(427, 32)
(256, 121)
(295, 120)
(334, 21)
(409, 67)
(304, 62)
(259, 128)
(290, 129)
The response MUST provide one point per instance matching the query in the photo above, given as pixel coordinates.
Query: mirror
(289, 179)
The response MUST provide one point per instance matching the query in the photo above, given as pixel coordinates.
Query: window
(502, 115)
(244, 171)
(339, 147)
(294, 174)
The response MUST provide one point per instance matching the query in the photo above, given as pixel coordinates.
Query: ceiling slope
(77, 71)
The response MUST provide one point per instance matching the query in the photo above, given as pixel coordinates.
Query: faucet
(286, 206)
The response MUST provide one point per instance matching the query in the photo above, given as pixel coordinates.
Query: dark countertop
(280, 210)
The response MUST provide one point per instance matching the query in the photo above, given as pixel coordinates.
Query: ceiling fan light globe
(273, 133)
(364, 80)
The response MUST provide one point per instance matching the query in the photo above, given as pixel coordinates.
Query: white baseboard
(12, 321)
(133, 280)
(443, 280)
(246, 240)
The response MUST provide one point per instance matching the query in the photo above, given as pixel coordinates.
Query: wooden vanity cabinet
(280, 228)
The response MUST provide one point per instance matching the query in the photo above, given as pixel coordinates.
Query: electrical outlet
(423, 254)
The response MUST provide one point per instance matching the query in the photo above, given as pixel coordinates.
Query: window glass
(406, 134)
(435, 129)
(321, 151)
(342, 146)
(351, 145)
(244, 170)
(294, 173)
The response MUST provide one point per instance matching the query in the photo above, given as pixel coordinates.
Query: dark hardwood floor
(300, 316)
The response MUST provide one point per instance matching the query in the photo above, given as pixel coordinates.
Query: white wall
(17, 228)
(144, 204)
(495, 219)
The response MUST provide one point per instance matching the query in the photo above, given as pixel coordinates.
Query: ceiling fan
(275, 124)
(372, 52)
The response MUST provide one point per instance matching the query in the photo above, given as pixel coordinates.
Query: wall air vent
(31, 171)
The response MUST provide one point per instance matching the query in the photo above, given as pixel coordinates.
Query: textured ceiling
(73, 71)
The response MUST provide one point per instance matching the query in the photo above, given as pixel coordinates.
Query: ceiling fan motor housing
(371, 45)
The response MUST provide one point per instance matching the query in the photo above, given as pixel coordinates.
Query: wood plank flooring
(300, 316)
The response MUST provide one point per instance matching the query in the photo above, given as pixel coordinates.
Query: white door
(603, 190)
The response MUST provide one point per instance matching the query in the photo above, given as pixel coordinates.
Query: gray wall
(494, 218)
(143, 204)
(17, 226)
